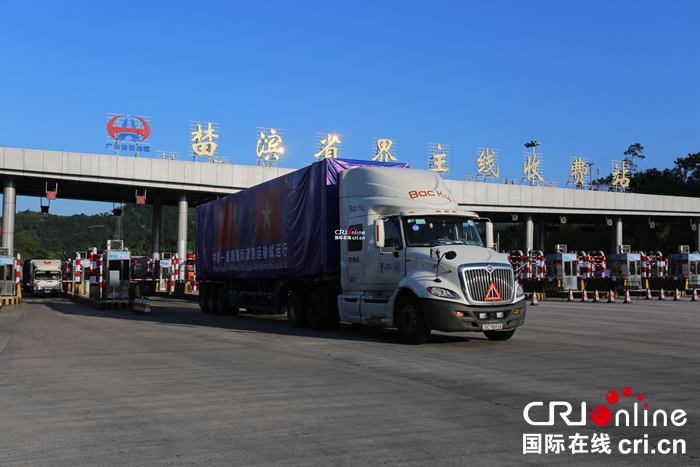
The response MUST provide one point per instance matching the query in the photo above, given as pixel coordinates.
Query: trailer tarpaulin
(281, 228)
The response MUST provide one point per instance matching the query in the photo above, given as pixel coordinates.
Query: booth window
(122, 267)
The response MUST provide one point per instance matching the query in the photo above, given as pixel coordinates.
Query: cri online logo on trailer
(128, 133)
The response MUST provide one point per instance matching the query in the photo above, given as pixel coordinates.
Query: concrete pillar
(489, 234)
(155, 229)
(529, 234)
(540, 235)
(618, 234)
(182, 227)
(697, 234)
(9, 203)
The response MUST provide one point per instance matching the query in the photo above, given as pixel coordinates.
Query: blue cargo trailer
(356, 241)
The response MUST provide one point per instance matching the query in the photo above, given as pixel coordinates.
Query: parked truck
(45, 276)
(358, 242)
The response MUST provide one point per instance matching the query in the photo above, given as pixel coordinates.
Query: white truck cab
(45, 276)
(415, 260)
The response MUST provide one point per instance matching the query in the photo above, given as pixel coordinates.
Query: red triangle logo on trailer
(492, 293)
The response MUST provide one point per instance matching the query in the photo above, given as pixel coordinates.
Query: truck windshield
(47, 275)
(441, 230)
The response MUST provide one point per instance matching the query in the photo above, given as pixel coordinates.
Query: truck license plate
(491, 326)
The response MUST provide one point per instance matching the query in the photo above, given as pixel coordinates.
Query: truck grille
(477, 281)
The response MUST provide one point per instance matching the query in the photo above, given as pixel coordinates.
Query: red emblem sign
(492, 293)
(137, 134)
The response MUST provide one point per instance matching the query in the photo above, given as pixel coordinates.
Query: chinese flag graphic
(227, 225)
(267, 215)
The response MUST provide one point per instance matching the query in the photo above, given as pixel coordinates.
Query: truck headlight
(442, 293)
(519, 291)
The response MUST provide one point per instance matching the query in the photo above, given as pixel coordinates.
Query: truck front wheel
(315, 314)
(295, 310)
(499, 335)
(410, 321)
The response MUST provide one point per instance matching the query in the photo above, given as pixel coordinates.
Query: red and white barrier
(142, 304)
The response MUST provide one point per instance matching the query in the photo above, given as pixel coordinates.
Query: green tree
(633, 153)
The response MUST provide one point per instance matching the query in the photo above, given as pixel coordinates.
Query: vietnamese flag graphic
(267, 215)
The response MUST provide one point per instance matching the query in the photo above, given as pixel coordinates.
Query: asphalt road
(86, 387)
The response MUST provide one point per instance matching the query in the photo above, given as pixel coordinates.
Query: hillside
(50, 236)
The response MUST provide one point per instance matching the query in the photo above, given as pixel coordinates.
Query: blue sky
(584, 78)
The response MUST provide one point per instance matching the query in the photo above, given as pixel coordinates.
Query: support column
(529, 234)
(488, 226)
(155, 229)
(618, 234)
(9, 202)
(182, 227)
(697, 234)
(540, 235)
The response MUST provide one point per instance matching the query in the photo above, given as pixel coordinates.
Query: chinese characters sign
(328, 147)
(203, 139)
(620, 175)
(438, 154)
(532, 164)
(579, 171)
(269, 147)
(383, 151)
(486, 163)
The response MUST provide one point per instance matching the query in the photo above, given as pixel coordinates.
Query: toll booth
(584, 264)
(67, 275)
(626, 270)
(27, 276)
(117, 281)
(190, 268)
(563, 268)
(142, 274)
(76, 274)
(684, 267)
(598, 264)
(110, 272)
(538, 264)
(81, 272)
(7, 276)
(164, 272)
(657, 264)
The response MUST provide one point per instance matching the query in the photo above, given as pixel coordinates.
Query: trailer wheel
(212, 296)
(295, 309)
(499, 335)
(221, 306)
(232, 308)
(410, 321)
(315, 313)
(203, 300)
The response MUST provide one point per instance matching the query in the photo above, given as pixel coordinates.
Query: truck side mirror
(379, 233)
